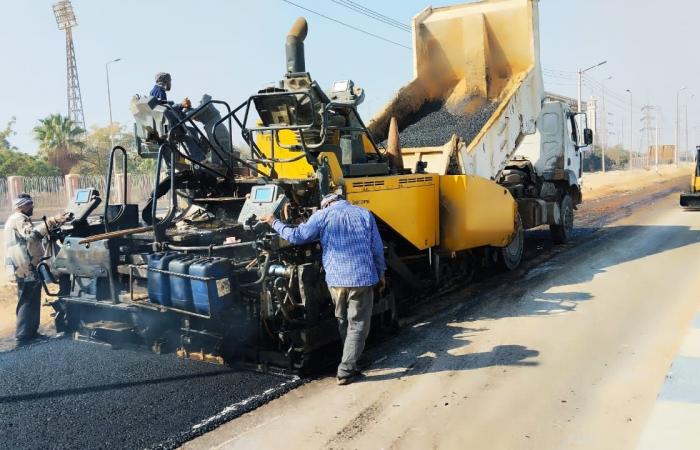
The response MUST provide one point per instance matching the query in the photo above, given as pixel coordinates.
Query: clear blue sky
(230, 49)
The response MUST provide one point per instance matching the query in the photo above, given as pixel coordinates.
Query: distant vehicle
(691, 199)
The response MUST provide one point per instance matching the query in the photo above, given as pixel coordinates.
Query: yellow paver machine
(691, 199)
(459, 163)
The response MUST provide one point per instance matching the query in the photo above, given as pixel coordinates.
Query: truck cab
(544, 173)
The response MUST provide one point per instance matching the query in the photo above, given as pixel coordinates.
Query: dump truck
(476, 108)
(194, 271)
(691, 199)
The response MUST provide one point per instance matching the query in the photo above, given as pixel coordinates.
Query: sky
(230, 49)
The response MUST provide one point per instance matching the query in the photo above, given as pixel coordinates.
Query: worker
(353, 259)
(163, 84)
(24, 250)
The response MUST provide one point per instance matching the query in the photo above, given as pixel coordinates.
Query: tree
(17, 163)
(615, 158)
(98, 145)
(13, 162)
(5, 134)
(59, 141)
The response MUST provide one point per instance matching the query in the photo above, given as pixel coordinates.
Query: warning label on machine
(223, 287)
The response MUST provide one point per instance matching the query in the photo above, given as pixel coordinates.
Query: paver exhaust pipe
(295, 46)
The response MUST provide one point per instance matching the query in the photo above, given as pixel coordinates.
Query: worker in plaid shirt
(353, 258)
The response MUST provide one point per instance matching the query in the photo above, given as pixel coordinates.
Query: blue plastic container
(159, 283)
(215, 295)
(180, 287)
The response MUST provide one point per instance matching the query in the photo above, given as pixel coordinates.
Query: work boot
(355, 376)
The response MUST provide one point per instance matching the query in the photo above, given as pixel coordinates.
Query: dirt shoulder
(598, 185)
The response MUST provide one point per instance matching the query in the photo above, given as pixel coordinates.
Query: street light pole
(631, 125)
(656, 144)
(687, 148)
(678, 124)
(605, 123)
(580, 80)
(109, 100)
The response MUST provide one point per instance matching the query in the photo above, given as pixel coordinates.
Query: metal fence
(50, 194)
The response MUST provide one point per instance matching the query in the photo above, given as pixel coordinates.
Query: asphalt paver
(63, 393)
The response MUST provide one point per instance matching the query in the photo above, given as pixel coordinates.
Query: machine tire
(511, 255)
(561, 233)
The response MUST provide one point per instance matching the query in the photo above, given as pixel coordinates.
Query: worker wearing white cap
(24, 250)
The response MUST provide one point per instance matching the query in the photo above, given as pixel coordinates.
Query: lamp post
(580, 80)
(686, 147)
(605, 123)
(109, 100)
(631, 124)
(678, 124)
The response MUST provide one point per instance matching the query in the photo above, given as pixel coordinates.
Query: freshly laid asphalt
(71, 394)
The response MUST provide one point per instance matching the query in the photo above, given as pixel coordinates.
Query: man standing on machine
(353, 258)
(163, 84)
(23, 252)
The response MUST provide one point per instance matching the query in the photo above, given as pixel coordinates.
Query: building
(667, 154)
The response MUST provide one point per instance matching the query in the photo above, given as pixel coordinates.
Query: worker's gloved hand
(382, 284)
(268, 219)
(186, 103)
(58, 220)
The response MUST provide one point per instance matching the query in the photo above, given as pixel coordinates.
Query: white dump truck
(476, 107)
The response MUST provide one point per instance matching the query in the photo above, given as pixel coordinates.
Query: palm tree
(59, 141)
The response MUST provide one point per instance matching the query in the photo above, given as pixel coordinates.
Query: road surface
(570, 354)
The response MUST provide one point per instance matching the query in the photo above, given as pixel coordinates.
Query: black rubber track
(70, 394)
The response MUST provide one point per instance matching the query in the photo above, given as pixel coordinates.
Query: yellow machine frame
(454, 212)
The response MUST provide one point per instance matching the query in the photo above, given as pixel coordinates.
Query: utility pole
(631, 124)
(109, 101)
(687, 147)
(605, 124)
(686, 133)
(656, 145)
(580, 81)
(678, 124)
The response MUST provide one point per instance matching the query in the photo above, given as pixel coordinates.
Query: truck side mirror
(587, 136)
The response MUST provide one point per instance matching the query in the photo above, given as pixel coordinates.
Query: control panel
(264, 200)
(83, 204)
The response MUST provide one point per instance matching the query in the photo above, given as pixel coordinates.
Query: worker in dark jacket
(24, 250)
(163, 84)
(353, 258)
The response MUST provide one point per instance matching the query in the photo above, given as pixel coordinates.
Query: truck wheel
(511, 254)
(562, 233)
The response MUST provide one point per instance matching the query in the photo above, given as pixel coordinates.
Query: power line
(347, 25)
(373, 14)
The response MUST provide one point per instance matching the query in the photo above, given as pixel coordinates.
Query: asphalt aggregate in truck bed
(433, 125)
(70, 394)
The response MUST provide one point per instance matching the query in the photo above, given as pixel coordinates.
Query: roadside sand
(597, 185)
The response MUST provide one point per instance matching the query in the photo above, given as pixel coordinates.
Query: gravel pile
(70, 394)
(433, 125)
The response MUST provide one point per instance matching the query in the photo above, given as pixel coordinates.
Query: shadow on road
(445, 341)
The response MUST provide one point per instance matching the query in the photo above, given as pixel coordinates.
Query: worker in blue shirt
(353, 258)
(163, 84)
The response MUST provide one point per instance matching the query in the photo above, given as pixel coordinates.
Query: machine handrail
(160, 225)
(110, 172)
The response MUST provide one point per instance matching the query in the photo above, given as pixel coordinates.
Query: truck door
(572, 153)
(552, 131)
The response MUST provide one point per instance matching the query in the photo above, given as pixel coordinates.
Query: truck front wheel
(562, 233)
